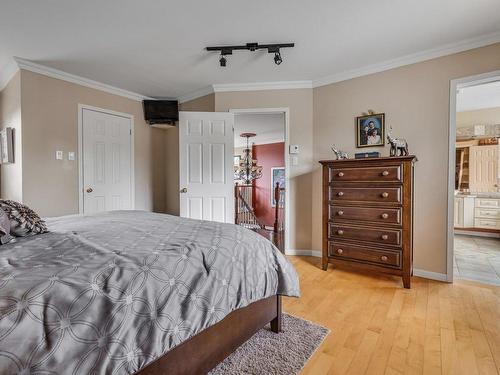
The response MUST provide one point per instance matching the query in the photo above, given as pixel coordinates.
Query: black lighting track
(252, 47)
(271, 48)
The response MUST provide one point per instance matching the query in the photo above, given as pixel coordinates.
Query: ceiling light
(271, 48)
(277, 58)
(222, 61)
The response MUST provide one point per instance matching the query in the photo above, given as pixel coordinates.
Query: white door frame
(82, 107)
(456, 84)
(286, 112)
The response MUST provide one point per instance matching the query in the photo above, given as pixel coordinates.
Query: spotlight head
(222, 61)
(277, 58)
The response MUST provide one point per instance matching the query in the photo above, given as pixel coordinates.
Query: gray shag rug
(270, 353)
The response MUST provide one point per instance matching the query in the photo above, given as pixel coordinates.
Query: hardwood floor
(380, 328)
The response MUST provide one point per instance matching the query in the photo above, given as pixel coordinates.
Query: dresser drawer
(487, 223)
(368, 194)
(487, 213)
(380, 236)
(378, 215)
(487, 203)
(390, 173)
(364, 254)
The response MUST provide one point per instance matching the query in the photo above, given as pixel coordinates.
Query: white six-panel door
(106, 161)
(206, 148)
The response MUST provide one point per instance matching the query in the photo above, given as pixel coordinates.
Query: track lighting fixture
(271, 48)
(277, 58)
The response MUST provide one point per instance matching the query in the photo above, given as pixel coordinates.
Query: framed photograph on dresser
(370, 130)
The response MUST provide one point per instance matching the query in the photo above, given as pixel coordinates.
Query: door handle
(184, 190)
(89, 190)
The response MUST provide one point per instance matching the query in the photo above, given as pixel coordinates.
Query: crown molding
(196, 94)
(7, 73)
(254, 86)
(258, 86)
(448, 49)
(64, 76)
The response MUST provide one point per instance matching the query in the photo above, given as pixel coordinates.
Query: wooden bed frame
(207, 349)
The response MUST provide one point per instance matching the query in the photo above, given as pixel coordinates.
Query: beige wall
(486, 116)
(203, 104)
(10, 116)
(301, 122)
(50, 123)
(415, 99)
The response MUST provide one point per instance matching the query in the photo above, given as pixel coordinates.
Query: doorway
(261, 172)
(474, 228)
(106, 160)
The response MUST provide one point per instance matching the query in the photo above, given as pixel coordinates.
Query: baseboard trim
(310, 253)
(416, 271)
(430, 275)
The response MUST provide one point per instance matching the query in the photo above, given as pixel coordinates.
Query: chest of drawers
(368, 215)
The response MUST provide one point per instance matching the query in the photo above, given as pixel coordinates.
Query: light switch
(295, 160)
(294, 149)
(59, 155)
(71, 155)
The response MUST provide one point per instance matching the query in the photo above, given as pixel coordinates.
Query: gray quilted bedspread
(112, 292)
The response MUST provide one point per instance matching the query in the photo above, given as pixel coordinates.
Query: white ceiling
(479, 97)
(269, 127)
(156, 48)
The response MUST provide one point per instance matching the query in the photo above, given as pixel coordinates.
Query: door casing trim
(81, 108)
(456, 84)
(286, 112)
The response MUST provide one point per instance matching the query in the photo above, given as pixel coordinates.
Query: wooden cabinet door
(483, 168)
(459, 213)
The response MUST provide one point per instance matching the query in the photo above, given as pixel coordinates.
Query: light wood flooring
(380, 328)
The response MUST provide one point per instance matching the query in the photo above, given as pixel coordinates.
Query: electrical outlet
(295, 160)
(71, 155)
(59, 155)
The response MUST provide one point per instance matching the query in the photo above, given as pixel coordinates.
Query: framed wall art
(277, 175)
(6, 146)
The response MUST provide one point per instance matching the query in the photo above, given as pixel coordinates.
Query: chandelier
(247, 170)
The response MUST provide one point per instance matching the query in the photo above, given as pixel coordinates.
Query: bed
(136, 292)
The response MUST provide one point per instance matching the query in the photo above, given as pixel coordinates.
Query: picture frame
(370, 130)
(6, 146)
(277, 175)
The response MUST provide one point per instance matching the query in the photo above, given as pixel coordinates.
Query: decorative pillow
(23, 220)
(4, 227)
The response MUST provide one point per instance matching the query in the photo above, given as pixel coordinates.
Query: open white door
(206, 148)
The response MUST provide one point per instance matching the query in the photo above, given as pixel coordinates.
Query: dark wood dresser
(368, 214)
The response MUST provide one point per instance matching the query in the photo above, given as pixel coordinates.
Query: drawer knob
(340, 251)
(385, 173)
(340, 193)
(384, 258)
(340, 213)
(384, 237)
(385, 216)
(340, 174)
(384, 194)
(340, 232)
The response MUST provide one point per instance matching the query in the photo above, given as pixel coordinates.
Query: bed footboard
(208, 348)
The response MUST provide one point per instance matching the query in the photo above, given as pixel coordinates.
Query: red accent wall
(268, 156)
